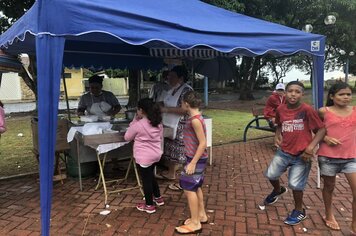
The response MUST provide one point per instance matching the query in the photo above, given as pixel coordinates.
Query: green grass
(16, 152)
(228, 126)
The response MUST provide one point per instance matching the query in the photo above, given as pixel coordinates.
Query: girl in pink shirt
(147, 132)
(2, 119)
(337, 154)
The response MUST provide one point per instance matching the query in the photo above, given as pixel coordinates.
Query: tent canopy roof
(90, 26)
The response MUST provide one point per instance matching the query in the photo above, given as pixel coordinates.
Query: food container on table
(130, 114)
(91, 118)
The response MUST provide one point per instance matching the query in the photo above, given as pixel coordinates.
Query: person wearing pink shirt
(146, 130)
(337, 154)
(2, 119)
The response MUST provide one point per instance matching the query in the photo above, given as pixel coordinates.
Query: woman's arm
(131, 131)
(176, 110)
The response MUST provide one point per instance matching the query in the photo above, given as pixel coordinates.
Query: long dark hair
(1, 104)
(181, 71)
(334, 89)
(152, 110)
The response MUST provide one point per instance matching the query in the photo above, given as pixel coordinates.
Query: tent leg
(66, 94)
(206, 85)
(318, 92)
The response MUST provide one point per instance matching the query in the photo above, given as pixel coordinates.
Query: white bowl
(91, 118)
(105, 118)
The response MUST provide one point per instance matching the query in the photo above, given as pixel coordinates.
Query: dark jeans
(149, 182)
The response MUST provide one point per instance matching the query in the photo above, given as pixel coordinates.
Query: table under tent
(121, 33)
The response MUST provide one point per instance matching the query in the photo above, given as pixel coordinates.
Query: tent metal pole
(206, 85)
(66, 94)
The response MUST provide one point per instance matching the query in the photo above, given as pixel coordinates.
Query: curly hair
(193, 99)
(152, 111)
(333, 90)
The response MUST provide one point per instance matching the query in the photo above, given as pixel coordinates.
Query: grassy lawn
(16, 151)
(228, 126)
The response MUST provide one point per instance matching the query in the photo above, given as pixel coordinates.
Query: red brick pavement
(233, 188)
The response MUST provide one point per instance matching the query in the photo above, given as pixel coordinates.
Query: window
(68, 75)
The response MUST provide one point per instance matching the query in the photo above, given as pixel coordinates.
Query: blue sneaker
(273, 197)
(295, 217)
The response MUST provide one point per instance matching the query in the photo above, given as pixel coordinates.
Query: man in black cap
(97, 101)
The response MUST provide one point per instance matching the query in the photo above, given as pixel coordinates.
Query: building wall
(10, 88)
(75, 86)
(118, 86)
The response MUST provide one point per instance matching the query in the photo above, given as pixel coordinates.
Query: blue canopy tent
(113, 33)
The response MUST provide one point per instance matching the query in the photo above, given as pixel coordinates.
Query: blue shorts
(298, 169)
(332, 166)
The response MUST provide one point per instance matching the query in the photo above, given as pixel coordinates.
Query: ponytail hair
(152, 110)
(333, 90)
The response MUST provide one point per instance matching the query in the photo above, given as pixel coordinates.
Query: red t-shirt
(272, 104)
(297, 126)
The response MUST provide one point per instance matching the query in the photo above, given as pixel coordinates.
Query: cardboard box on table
(61, 135)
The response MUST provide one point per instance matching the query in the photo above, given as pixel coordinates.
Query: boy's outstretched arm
(278, 136)
(308, 152)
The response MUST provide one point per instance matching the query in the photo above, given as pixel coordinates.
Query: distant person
(160, 88)
(2, 119)
(337, 154)
(296, 121)
(97, 101)
(192, 177)
(146, 130)
(277, 98)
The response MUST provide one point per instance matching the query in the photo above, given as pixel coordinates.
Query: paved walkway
(233, 188)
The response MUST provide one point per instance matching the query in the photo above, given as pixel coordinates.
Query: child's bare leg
(352, 181)
(201, 212)
(193, 203)
(328, 189)
(298, 199)
(276, 185)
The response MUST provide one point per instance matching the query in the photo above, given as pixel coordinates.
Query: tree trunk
(30, 77)
(134, 87)
(245, 85)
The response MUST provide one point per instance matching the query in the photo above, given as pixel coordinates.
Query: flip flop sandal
(175, 187)
(189, 230)
(187, 221)
(331, 225)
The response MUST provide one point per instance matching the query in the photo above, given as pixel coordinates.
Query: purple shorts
(194, 181)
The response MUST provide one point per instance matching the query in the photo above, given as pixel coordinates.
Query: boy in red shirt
(295, 123)
(273, 102)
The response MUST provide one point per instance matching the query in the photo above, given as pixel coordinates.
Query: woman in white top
(175, 117)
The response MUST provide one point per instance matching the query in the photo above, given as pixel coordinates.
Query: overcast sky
(297, 74)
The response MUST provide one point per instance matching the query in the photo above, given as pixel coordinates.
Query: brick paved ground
(233, 188)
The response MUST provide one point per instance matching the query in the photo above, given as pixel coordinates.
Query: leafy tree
(12, 10)
(296, 14)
